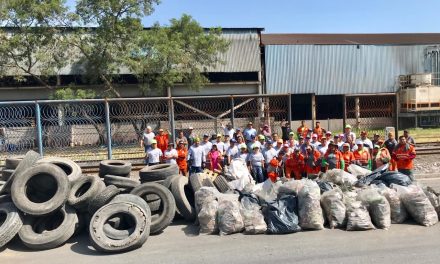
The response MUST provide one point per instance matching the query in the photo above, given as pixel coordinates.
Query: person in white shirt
(196, 157)
(314, 142)
(249, 133)
(322, 148)
(220, 144)
(233, 151)
(147, 137)
(243, 152)
(348, 133)
(170, 154)
(262, 141)
(154, 154)
(269, 153)
(229, 130)
(366, 141)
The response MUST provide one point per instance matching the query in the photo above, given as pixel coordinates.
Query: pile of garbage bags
(357, 201)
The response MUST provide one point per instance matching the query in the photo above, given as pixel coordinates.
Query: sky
(307, 16)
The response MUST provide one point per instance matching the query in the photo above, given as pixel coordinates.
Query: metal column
(108, 127)
(172, 124)
(289, 109)
(313, 110)
(396, 115)
(39, 128)
(232, 112)
(357, 112)
(344, 111)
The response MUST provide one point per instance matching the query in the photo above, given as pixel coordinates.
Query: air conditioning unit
(421, 79)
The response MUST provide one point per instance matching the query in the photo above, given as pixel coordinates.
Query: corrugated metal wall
(339, 69)
(243, 54)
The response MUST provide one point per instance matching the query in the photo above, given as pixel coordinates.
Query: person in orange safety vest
(404, 155)
(347, 155)
(182, 155)
(311, 158)
(162, 140)
(362, 156)
(333, 159)
(302, 130)
(380, 156)
(295, 165)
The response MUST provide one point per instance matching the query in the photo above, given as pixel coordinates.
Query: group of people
(294, 154)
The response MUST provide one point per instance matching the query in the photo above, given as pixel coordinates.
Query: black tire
(182, 203)
(166, 212)
(158, 172)
(222, 184)
(114, 167)
(5, 199)
(55, 229)
(28, 161)
(12, 162)
(100, 240)
(169, 179)
(120, 182)
(131, 198)
(103, 198)
(11, 224)
(117, 234)
(84, 190)
(207, 182)
(72, 170)
(196, 181)
(83, 220)
(31, 199)
(6, 174)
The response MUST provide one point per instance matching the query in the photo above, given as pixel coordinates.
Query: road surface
(179, 243)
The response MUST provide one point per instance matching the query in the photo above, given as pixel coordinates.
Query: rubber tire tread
(100, 240)
(6, 174)
(158, 172)
(19, 189)
(12, 224)
(82, 202)
(28, 161)
(11, 163)
(120, 182)
(107, 168)
(49, 239)
(166, 216)
(183, 205)
(75, 169)
(196, 181)
(222, 184)
(103, 198)
(169, 179)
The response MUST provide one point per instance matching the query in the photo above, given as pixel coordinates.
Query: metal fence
(88, 131)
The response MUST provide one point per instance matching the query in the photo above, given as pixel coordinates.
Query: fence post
(289, 109)
(396, 115)
(172, 124)
(108, 127)
(232, 112)
(344, 111)
(39, 128)
(358, 112)
(313, 110)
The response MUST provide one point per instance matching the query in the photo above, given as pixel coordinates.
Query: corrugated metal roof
(243, 54)
(339, 69)
(350, 39)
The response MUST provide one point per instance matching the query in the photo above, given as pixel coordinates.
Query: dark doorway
(301, 106)
(329, 107)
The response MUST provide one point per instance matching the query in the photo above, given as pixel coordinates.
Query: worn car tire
(32, 200)
(6, 174)
(84, 190)
(114, 167)
(221, 184)
(102, 242)
(103, 198)
(72, 169)
(207, 182)
(121, 182)
(196, 181)
(11, 224)
(11, 163)
(169, 179)
(182, 203)
(28, 161)
(5, 199)
(158, 172)
(168, 209)
(54, 229)
(131, 198)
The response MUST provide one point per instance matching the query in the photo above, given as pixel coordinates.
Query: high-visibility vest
(348, 158)
(404, 155)
(362, 155)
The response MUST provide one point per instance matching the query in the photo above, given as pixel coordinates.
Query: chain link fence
(371, 113)
(80, 129)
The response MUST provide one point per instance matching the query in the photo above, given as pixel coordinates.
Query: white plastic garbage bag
(433, 198)
(417, 204)
(269, 190)
(333, 204)
(357, 170)
(358, 218)
(229, 219)
(241, 183)
(291, 187)
(309, 203)
(398, 211)
(378, 207)
(238, 169)
(205, 194)
(252, 217)
(207, 217)
(339, 177)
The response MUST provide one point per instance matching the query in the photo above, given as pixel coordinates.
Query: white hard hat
(359, 142)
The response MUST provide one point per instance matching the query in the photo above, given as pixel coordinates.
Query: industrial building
(356, 75)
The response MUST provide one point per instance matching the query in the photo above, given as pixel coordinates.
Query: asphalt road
(179, 243)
